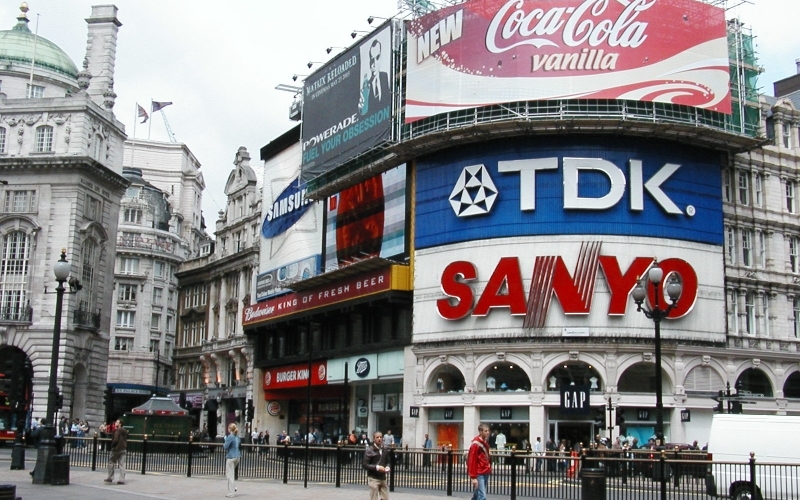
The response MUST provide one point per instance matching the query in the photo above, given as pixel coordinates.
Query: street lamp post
(43, 471)
(656, 313)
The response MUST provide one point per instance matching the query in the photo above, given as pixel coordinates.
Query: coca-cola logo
(588, 23)
(362, 367)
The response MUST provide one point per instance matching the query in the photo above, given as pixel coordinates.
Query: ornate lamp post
(43, 472)
(656, 313)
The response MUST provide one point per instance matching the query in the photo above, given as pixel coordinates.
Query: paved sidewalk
(88, 485)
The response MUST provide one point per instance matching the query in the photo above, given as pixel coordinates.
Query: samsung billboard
(348, 104)
(484, 52)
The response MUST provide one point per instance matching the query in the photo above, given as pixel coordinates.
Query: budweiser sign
(488, 51)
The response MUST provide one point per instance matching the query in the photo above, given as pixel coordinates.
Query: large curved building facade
(547, 172)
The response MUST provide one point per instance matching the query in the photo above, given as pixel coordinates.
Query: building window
(744, 187)
(123, 343)
(2, 140)
(97, 147)
(155, 322)
(133, 216)
(126, 319)
(34, 91)
(44, 139)
(170, 322)
(127, 293)
(750, 312)
(155, 345)
(93, 209)
(167, 349)
(88, 253)
(796, 316)
(129, 266)
(14, 270)
(794, 248)
(765, 314)
(747, 247)
(758, 190)
(20, 201)
(158, 269)
(762, 249)
(786, 129)
(734, 312)
(790, 196)
(158, 295)
(730, 244)
(726, 185)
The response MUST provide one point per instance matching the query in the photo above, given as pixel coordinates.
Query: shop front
(376, 397)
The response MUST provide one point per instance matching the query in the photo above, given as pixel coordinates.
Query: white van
(774, 439)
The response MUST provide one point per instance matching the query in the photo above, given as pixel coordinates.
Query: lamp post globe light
(43, 471)
(654, 280)
(653, 284)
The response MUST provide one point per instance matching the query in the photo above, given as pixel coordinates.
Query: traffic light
(251, 410)
(59, 400)
(600, 417)
(719, 408)
(736, 407)
(620, 416)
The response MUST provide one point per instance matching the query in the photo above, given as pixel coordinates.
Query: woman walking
(232, 455)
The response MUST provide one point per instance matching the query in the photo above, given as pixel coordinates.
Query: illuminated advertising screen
(367, 220)
(484, 52)
(347, 105)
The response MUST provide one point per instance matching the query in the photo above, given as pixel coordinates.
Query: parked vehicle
(773, 439)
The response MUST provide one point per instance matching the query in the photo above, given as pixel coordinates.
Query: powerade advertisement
(347, 105)
(483, 52)
(367, 220)
(581, 185)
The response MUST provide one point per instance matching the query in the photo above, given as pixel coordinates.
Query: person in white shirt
(537, 451)
(388, 439)
(501, 441)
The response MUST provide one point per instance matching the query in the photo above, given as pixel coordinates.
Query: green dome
(16, 46)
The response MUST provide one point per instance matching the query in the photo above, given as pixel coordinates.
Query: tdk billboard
(569, 185)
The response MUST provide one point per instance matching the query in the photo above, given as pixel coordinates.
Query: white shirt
(501, 441)
(388, 439)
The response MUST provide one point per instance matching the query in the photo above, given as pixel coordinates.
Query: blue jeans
(480, 491)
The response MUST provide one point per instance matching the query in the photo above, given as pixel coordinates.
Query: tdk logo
(475, 193)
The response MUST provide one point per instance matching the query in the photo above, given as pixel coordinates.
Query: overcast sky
(219, 62)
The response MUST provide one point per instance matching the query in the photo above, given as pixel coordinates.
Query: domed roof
(17, 46)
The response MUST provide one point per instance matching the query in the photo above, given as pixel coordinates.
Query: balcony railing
(86, 319)
(19, 314)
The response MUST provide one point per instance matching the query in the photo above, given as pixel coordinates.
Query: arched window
(574, 373)
(446, 378)
(44, 139)
(641, 378)
(14, 273)
(753, 382)
(504, 376)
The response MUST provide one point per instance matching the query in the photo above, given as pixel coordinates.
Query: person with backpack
(232, 456)
(479, 464)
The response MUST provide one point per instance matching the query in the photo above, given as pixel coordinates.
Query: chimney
(797, 64)
(101, 51)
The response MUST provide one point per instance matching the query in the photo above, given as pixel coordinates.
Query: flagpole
(150, 127)
(133, 143)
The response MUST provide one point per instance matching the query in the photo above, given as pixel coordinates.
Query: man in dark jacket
(375, 464)
(119, 450)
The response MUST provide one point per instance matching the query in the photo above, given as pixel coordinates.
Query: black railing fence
(624, 474)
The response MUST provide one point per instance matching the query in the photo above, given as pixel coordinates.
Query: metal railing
(627, 474)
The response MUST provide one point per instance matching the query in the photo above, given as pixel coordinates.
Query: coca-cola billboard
(485, 52)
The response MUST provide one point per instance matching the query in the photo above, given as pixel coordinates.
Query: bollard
(593, 484)
(8, 491)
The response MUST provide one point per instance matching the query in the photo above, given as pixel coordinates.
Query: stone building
(61, 155)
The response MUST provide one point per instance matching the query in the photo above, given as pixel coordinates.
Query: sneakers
(230, 495)
(120, 482)
(235, 488)
(107, 481)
